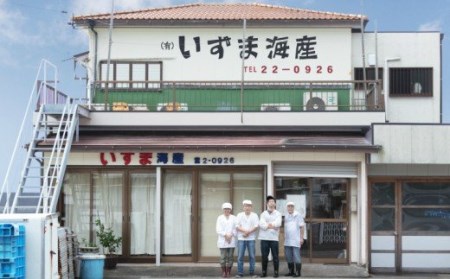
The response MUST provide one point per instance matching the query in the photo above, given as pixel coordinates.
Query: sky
(34, 30)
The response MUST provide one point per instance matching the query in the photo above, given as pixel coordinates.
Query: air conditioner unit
(276, 107)
(320, 101)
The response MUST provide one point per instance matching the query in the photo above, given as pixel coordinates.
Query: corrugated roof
(221, 142)
(234, 11)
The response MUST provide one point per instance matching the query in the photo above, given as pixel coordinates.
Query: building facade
(195, 105)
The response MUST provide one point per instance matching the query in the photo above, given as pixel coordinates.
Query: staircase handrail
(35, 93)
(68, 135)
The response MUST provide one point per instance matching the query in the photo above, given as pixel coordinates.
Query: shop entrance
(409, 225)
(323, 203)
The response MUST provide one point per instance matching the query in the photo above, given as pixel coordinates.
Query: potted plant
(86, 247)
(109, 243)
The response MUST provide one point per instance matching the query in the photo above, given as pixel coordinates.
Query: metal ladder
(42, 176)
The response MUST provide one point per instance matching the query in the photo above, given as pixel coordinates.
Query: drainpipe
(440, 78)
(386, 85)
(91, 26)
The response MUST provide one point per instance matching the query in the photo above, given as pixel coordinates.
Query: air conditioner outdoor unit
(320, 101)
(276, 107)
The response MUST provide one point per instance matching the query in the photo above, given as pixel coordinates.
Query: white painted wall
(232, 118)
(412, 144)
(333, 49)
(415, 49)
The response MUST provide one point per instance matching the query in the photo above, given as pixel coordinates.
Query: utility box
(41, 243)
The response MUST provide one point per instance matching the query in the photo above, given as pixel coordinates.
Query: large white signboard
(216, 54)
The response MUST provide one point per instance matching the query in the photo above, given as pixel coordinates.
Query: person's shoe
(224, 272)
(263, 274)
(275, 274)
(298, 271)
(239, 276)
(228, 271)
(291, 269)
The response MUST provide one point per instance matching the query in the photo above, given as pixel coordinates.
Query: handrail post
(174, 98)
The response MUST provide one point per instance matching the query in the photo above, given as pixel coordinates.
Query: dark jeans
(266, 247)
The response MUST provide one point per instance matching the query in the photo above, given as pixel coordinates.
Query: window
(370, 75)
(426, 206)
(136, 75)
(411, 81)
(383, 206)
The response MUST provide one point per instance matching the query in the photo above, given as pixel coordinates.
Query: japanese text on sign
(145, 158)
(273, 47)
(160, 158)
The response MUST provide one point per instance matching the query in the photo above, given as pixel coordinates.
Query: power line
(14, 3)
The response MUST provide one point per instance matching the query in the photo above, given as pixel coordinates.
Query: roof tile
(223, 12)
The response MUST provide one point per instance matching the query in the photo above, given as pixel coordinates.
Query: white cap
(290, 203)
(249, 202)
(227, 205)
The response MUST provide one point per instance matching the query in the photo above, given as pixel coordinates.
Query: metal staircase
(55, 124)
(51, 156)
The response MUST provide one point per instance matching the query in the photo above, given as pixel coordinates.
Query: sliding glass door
(177, 214)
(142, 213)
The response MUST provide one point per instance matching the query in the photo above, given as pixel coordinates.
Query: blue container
(12, 251)
(92, 266)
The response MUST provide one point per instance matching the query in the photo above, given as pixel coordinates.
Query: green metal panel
(208, 99)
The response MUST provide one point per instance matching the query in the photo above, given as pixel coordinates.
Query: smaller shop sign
(162, 158)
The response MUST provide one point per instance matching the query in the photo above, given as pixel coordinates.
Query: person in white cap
(226, 242)
(246, 226)
(294, 233)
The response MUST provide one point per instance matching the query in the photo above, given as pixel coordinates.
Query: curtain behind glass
(76, 203)
(177, 203)
(143, 191)
(108, 201)
(214, 191)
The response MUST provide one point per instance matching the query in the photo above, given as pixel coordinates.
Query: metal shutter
(349, 170)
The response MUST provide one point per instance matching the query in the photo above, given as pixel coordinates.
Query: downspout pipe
(440, 81)
(91, 26)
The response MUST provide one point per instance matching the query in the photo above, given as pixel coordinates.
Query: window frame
(426, 82)
(119, 84)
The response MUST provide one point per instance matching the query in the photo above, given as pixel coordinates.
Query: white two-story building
(209, 103)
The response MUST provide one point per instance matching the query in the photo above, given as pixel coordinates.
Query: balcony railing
(232, 96)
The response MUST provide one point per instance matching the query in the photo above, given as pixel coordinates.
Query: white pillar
(158, 216)
(362, 214)
(270, 187)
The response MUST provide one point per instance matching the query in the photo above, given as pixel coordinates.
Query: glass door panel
(77, 204)
(177, 213)
(329, 199)
(328, 218)
(248, 186)
(214, 190)
(384, 238)
(142, 213)
(329, 240)
(108, 201)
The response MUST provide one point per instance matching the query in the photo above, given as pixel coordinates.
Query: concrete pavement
(199, 270)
